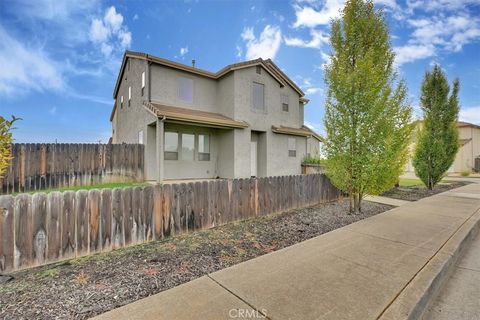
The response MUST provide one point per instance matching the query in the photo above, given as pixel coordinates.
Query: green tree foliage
(367, 119)
(437, 142)
(6, 140)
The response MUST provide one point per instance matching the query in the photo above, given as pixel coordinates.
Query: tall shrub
(437, 142)
(6, 140)
(367, 117)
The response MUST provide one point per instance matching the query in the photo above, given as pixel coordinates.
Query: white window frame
(182, 157)
(121, 102)
(129, 95)
(140, 137)
(205, 155)
(143, 79)
(178, 146)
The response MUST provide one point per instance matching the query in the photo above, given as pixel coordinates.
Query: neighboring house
(469, 135)
(245, 120)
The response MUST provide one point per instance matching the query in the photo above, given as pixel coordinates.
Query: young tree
(437, 142)
(6, 140)
(367, 119)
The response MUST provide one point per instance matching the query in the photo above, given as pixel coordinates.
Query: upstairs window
(140, 137)
(171, 146)
(121, 102)
(129, 95)
(185, 89)
(285, 102)
(188, 146)
(203, 147)
(258, 97)
(292, 149)
(259, 70)
(143, 82)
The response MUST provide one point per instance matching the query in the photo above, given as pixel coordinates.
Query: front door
(253, 158)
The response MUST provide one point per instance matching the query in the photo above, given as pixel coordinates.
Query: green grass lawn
(404, 182)
(96, 186)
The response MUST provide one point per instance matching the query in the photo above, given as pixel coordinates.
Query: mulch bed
(88, 286)
(414, 193)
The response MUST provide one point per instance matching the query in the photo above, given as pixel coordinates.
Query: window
(171, 146)
(188, 146)
(129, 95)
(143, 81)
(259, 70)
(121, 102)
(285, 102)
(203, 147)
(140, 137)
(292, 150)
(185, 89)
(258, 96)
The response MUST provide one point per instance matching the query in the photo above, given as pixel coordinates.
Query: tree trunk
(350, 198)
(360, 197)
(356, 203)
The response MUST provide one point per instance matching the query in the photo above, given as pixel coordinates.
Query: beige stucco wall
(230, 95)
(465, 158)
(164, 89)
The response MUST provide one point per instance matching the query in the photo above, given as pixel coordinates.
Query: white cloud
(183, 51)
(318, 39)
(109, 33)
(470, 114)
(239, 51)
(135, 17)
(98, 31)
(311, 91)
(113, 19)
(309, 17)
(412, 52)
(26, 68)
(266, 46)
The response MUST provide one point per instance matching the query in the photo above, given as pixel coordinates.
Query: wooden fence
(41, 166)
(41, 228)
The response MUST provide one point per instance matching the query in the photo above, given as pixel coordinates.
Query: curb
(421, 291)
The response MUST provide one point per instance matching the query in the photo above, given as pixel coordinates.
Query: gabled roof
(314, 134)
(268, 65)
(192, 116)
(467, 124)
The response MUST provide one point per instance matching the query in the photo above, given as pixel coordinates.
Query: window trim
(178, 146)
(264, 110)
(129, 95)
(140, 137)
(283, 98)
(143, 82)
(121, 102)
(198, 148)
(194, 145)
(292, 153)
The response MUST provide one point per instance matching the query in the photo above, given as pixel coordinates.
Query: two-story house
(244, 120)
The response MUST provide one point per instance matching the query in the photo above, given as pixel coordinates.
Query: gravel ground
(414, 193)
(88, 286)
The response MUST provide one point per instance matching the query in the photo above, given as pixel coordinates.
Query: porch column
(160, 149)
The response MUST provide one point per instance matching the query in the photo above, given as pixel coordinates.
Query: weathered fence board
(40, 228)
(41, 166)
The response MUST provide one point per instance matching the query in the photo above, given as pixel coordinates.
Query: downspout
(149, 81)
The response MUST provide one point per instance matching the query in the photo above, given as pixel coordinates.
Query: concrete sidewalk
(386, 200)
(384, 267)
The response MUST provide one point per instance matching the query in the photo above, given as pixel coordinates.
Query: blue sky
(59, 59)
